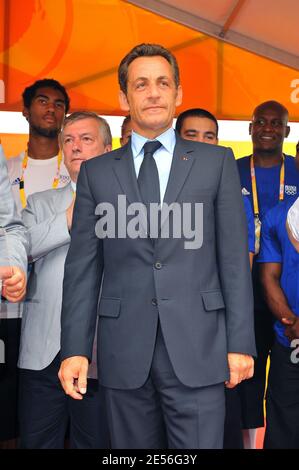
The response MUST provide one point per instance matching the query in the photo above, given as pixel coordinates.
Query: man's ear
(287, 131)
(250, 128)
(123, 101)
(108, 148)
(25, 113)
(179, 96)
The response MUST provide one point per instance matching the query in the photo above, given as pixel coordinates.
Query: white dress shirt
(163, 156)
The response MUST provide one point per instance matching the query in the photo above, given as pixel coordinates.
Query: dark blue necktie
(148, 178)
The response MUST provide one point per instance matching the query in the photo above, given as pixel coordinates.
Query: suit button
(154, 302)
(158, 265)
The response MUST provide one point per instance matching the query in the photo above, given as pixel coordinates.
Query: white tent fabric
(266, 27)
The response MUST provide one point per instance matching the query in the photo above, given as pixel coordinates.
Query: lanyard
(22, 178)
(254, 188)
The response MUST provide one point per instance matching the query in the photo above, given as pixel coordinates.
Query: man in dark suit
(175, 316)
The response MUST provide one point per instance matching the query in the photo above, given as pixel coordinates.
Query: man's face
(269, 128)
(199, 129)
(46, 112)
(81, 140)
(152, 96)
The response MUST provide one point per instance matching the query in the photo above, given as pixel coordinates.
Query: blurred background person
(13, 242)
(126, 131)
(279, 275)
(40, 166)
(13, 271)
(200, 125)
(293, 214)
(44, 409)
(268, 177)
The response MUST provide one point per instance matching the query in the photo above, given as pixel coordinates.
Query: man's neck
(266, 160)
(151, 134)
(42, 148)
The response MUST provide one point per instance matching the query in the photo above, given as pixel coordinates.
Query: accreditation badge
(257, 231)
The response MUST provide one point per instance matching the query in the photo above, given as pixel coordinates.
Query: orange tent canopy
(81, 42)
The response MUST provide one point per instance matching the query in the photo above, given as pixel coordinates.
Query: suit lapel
(125, 173)
(182, 163)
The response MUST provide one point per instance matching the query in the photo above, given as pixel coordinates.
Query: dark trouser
(164, 413)
(10, 339)
(233, 437)
(45, 412)
(252, 391)
(282, 400)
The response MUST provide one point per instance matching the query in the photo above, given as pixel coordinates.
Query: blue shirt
(267, 182)
(250, 224)
(277, 248)
(163, 156)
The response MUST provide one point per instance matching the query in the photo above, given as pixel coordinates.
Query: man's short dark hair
(30, 92)
(146, 50)
(195, 112)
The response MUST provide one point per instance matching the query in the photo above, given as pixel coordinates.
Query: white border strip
(15, 123)
(197, 23)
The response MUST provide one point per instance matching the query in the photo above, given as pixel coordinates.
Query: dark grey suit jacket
(204, 296)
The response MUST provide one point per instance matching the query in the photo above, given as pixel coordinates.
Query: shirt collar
(74, 186)
(167, 139)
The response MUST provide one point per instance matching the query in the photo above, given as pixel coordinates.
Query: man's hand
(69, 213)
(241, 367)
(73, 376)
(292, 328)
(13, 283)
